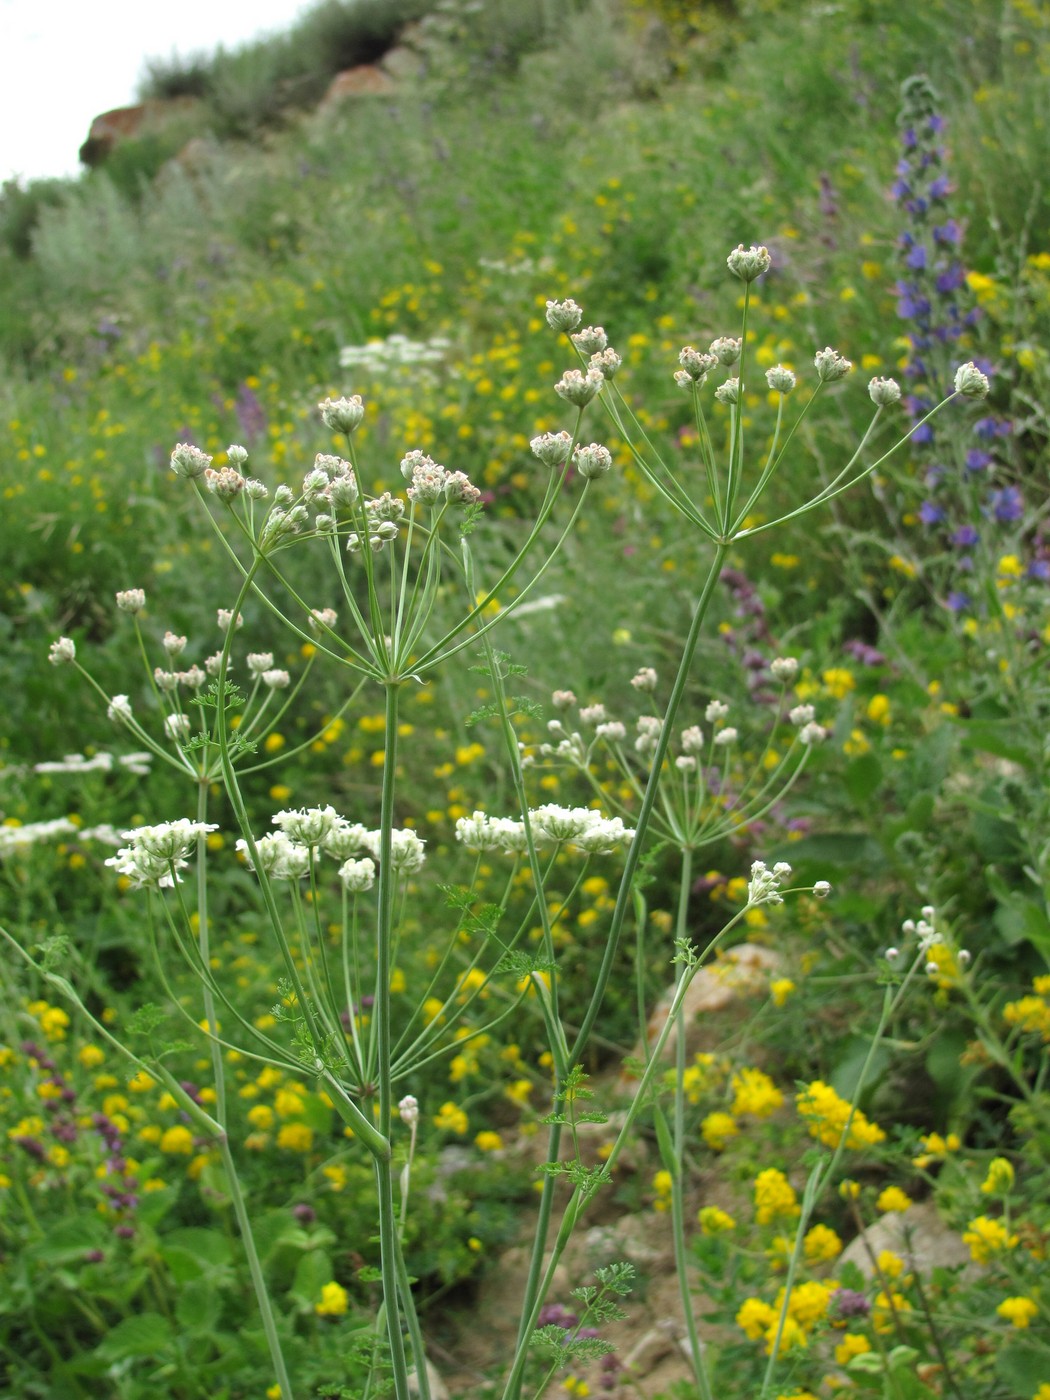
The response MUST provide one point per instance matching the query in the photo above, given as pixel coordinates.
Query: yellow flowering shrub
(775, 1197)
(827, 1114)
(985, 1238)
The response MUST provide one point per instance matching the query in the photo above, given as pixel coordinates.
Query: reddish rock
(364, 81)
(109, 129)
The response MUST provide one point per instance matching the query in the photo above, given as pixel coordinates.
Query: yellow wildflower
(827, 1115)
(295, 1137)
(178, 1139)
(755, 1093)
(893, 1198)
(1018, 1311)
(852, 1344)
(985, 1237)
(717, 1129)
(821, 1244)
(334, 1301)
(1000, 1178)
(780, 990)
(715, 1222)
(774, 1197)
(450, 1119)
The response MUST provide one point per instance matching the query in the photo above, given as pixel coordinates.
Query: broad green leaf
(145, 1334)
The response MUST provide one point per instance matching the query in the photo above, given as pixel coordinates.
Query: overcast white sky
(64, 61)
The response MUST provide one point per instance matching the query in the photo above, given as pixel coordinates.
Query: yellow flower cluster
(53, 1020)
(807, 1307)
(827, 1115)
(714, 1221)
(1000, 1178)
(335, 1301)
(717, 1129)
(1019, 1312)
(774, 1197)
(450, 1119)
(821, 1244)
(893, 1198)
(985, 1238)
(1031, 1014)
(755, 1093)
(934, 1147)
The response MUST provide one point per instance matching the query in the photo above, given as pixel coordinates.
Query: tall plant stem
(634, 851)
(677, 1174)
(395, 1285)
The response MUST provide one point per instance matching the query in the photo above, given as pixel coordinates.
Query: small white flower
(612, 731)
(603, 836)
(811, 734)
(563, 315)
(259, 661)
(822, 889)
(716, 710)
(342, 415)
(593, 714)
(119, 709)
(971, 382)
(693, 739)
(784, 668)
(408, 1109)
(177, 726)
(358, 875)
(801, 714)
(62, 652)
(830, 365)
(725, 737)
(764, 884)
(644, 679)
(780, 379)
(308, 826)
(225, 617)
(276, 679)
(187, 460)
(131, 600)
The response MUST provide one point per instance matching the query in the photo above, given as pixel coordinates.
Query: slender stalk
(634, 851)
(677, 1176)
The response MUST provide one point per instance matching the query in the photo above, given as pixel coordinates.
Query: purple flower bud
(1007, 505)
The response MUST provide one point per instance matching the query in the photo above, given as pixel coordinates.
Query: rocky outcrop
(111, 128)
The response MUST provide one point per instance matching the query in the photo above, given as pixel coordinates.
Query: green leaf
(146, 1334)
(313, 1271)
(194, 1252)
(1023, 1366)
(863, 778)
(197, 1309)
(997, 739)
(68, 1242)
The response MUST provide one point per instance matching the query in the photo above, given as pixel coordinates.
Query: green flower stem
(634, 851)
(389, 1246)
(204, 942)
(696, 1355)
(581, 1196)
(839, 485)
(824, 1170)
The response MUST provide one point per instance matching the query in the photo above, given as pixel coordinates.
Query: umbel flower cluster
(305, 835)
(581, 828)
